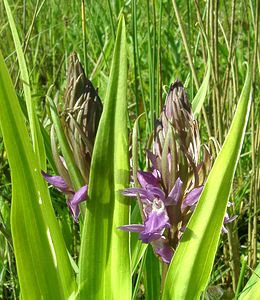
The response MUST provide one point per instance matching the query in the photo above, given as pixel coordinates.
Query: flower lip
(156, 222)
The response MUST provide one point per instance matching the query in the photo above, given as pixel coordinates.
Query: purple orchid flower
(227, 220)
(154, 203)
(74, 198)
(155, 223)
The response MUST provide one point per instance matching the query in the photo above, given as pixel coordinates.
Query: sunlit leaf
(42, 261)
(252, 289)
(104, 256)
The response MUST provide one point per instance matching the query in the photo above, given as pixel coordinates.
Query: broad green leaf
(190, 268)
(202, 92)
(252, 289)
(43, 266)
(104, 256)
(37, 138)
(254, 292)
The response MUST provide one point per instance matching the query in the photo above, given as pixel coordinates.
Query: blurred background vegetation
(167, 40)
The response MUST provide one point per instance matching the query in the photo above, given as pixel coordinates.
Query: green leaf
(43, 266)
(37, 138)
(252, 289)
(104, 256)
(152, 275)
(202, 92)
(190, 268)
(254, 292)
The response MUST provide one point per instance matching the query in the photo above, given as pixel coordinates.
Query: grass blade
(202, 92)
(37, 138)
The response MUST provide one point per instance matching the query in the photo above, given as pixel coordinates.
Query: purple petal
(74, 202)
(155, 223)
(157, 192)
(166, 253)
(227, 219)
(192, 198)
(147, 178)
(57, 181)
(74, 210)
(143, 193)
(148, 237)
(132, 227)
(224, 230)
(174, 195)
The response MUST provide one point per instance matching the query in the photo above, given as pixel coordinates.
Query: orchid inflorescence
(170, 189)
(80, 119)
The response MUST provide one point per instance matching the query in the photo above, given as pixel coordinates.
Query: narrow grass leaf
(104, 256)
(192, 263)
(202, 92)
(42, 261)
(152, 275)
(37, 138)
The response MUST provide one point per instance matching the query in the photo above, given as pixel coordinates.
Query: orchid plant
(171, 188)
(182, 198)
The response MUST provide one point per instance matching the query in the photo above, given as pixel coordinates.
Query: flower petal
(74, 202)
(148, 237)
(192, 198)
(57, 181)
(156, 191)
(166, 253)
(143, 193)
(147, 178)
(174, 195)
(132, 227)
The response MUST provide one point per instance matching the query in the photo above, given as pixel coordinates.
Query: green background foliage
(202, 43)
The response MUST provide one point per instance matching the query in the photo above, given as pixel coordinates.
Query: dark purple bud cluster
(80, 118)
